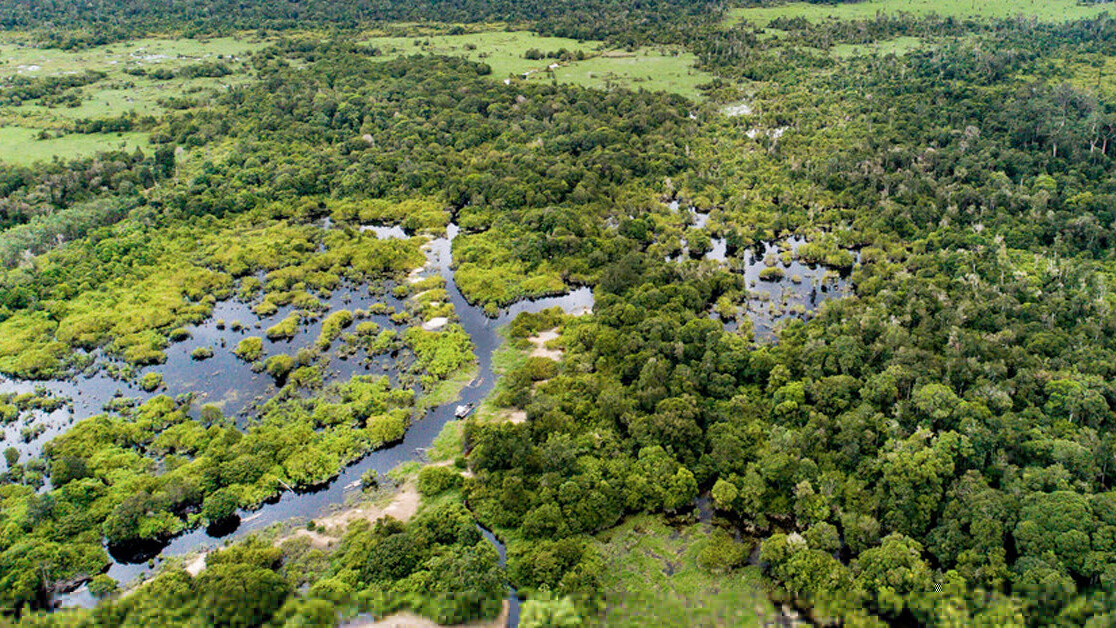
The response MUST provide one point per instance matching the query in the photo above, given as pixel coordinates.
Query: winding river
(228, 382)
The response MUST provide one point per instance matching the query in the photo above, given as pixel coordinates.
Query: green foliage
(434, 480)
(151, 382)
(440, 353)
(249, 349)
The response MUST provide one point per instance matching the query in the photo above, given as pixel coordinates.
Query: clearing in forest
(142, 77)
(655, 576)
(521, 55)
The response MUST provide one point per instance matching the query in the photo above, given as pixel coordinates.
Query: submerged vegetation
(851, 348)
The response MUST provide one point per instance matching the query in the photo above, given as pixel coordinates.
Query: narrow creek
(231, 384)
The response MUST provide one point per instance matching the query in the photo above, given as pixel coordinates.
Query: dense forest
(69, 24)
(932, 445)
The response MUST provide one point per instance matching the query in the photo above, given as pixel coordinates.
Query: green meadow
(1044, 10)
(22, 146)
(897, 46)
(119, 93)
(654, 577)
(652, 68)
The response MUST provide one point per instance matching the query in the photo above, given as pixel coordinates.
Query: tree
(220, 505)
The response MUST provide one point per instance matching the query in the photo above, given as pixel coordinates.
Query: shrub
(437, 480)
(250, 349)
(773, 273)
(151, 382)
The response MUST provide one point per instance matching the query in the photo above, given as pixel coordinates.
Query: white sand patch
(541, 350)
(404, 504)
(515, 417)
(435, 323)
(739, 109)
(196, 566)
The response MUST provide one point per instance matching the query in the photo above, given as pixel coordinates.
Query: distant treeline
(73, 25)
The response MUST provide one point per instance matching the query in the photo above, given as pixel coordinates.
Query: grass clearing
(653, 68)
(898, 46)
(504, 51)
(119, 93)
(1044, 10)
(653, 578)
(22, 146)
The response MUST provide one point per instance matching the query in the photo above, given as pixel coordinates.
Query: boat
(463, 411)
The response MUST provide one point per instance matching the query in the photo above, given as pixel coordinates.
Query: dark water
(798, 294)
(229, 383)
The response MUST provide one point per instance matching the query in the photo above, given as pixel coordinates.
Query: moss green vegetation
(180, 275)
(1046, 10)
(19, 145)
(249, 349)
(676, 576)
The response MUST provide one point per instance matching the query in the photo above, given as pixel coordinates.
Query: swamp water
(229, 383)
(796, 294)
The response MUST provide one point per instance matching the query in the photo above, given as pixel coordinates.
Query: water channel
(231, 384)
(228, 382)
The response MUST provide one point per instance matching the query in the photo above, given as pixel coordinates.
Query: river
(229, 383)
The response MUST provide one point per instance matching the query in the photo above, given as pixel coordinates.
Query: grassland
(656, 69)
(647, 68)
(1044, 10)
(653, 578)
(21, 146)
(119, 93)
(503, 51)
(897, 46)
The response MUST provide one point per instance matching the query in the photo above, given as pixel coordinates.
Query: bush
(151, 382)
(220, 505)
(279, 366)
(285, 329)
(772, 274)
(538, 369)
(250, 349)
(102, 585)
(437, 480)
(202, 353)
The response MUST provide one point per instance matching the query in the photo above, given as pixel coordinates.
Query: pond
(795, 291)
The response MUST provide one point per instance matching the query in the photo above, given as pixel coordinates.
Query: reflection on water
(230, 383)
(797, 290)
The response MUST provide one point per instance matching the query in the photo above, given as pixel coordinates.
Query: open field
(502, 50)
(897, 46)
(653, 579)
(21, 146)
(1044, 10)
(118, 93)
(656, 69)
(646, 68)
